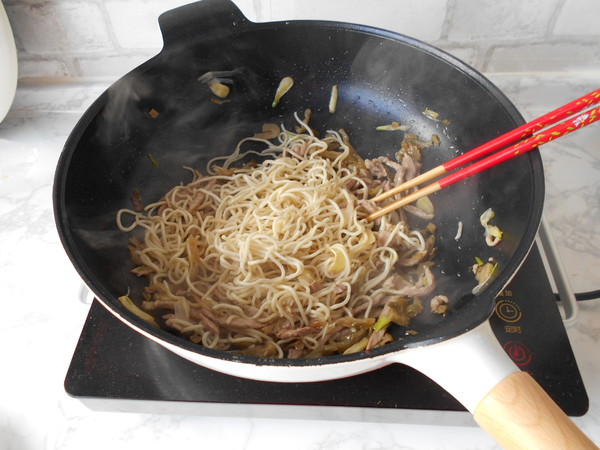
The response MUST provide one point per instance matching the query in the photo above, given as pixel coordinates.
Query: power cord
(583, 296)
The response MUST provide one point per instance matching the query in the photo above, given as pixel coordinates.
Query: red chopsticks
(522, 146)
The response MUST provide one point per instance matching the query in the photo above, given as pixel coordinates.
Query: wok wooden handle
(519, 414)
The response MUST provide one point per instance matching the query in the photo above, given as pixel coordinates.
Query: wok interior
(381, 78)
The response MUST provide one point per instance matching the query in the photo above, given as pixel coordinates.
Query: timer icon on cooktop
(508, 311)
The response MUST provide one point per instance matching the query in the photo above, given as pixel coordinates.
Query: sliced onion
(284, 85)
(485, 274)
(431, 114)
(182, 309)
(333, 99)
(493, 234)
(340, 262)
(358, 347)
(425, 204)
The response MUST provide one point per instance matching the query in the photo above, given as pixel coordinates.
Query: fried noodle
(273, 259)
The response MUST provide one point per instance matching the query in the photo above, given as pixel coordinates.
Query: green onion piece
(493, 271)
(494, 231)
(381, 323)
(479, 261)
(153, 160)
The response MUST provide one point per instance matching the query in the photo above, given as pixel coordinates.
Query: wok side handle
(202, 19)
(518, 413)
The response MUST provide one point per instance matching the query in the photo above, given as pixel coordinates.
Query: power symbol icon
(518, 352)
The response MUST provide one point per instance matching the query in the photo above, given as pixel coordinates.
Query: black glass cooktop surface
(113, 362)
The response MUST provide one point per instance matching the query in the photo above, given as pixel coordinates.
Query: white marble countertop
(43, 318)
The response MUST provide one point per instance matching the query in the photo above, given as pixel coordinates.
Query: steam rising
(380, 80)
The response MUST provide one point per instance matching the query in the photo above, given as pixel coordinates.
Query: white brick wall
(107, 38)
(422, 19)
(134, 23)
(549, 57)
(59, 27)
(578, 18)
(492, 21)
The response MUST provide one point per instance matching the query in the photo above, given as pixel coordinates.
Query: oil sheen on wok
(268, 252)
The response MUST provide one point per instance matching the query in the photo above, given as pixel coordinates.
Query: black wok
(118, 147)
